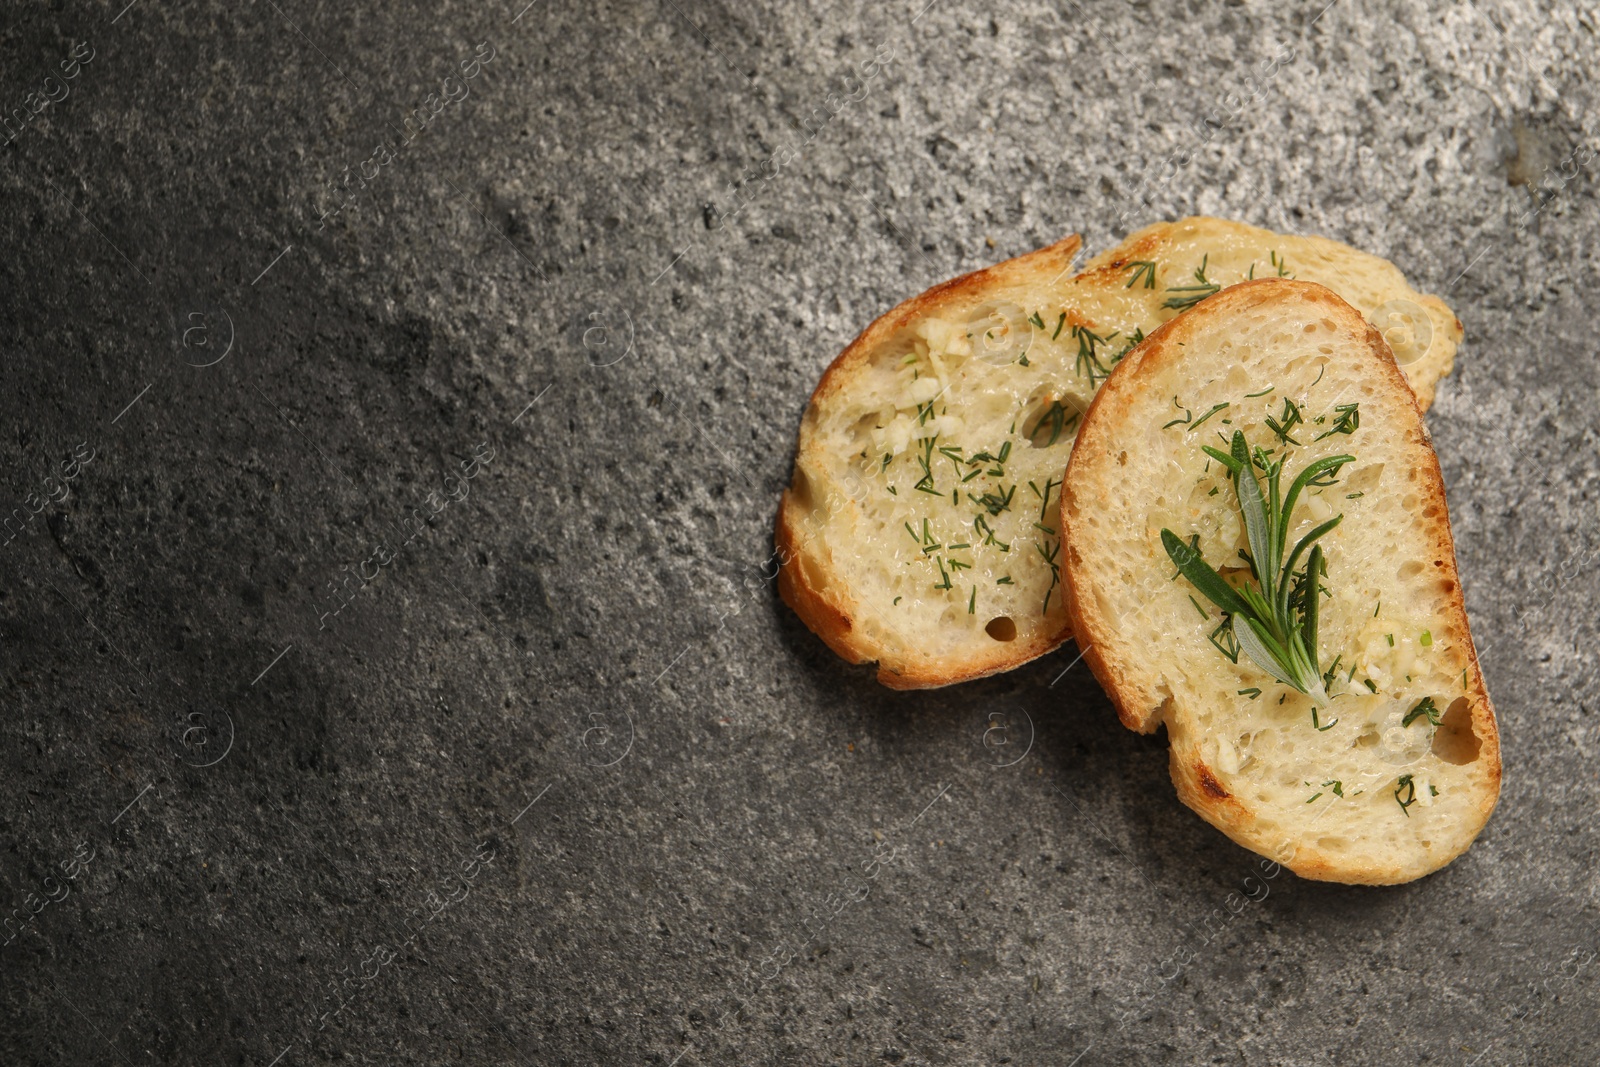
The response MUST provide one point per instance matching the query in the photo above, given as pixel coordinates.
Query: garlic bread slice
(1260, 560)
(919, 529)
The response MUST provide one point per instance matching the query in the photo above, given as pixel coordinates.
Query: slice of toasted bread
(918, 531)
(1378, 787)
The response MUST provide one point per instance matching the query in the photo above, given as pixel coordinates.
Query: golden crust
(1137, 705)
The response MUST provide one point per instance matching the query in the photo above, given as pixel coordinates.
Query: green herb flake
(1425, 709)
(1405, 792)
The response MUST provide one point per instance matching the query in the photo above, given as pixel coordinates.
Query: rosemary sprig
(1279, 611)
(1190, 295)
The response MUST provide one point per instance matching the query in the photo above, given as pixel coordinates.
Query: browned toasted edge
(1196, 785)
(825, 612)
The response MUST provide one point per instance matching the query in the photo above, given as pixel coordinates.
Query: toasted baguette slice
(1365, 798)
(890, 479)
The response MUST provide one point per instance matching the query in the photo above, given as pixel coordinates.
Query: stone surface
(562, 781)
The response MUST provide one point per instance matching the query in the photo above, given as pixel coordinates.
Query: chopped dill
(1348, 422)
(1190, 295)
(1425, 709)
(1287, 420)
(1089, 364)
(1142, 268)
(1407, 785)
(1195, 425)
(1050, 558)
(994, 502)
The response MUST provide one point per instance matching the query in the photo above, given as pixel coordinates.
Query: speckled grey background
(561, 781)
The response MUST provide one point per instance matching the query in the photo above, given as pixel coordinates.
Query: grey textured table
(552, 776)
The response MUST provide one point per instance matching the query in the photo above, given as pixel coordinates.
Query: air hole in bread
(861, 432)
(1409, 569)
(1001, 628)
(1365, 479)
(816, 576)
(800, 489)
(1122, 459)
(1052, 420)
(1454, 742)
